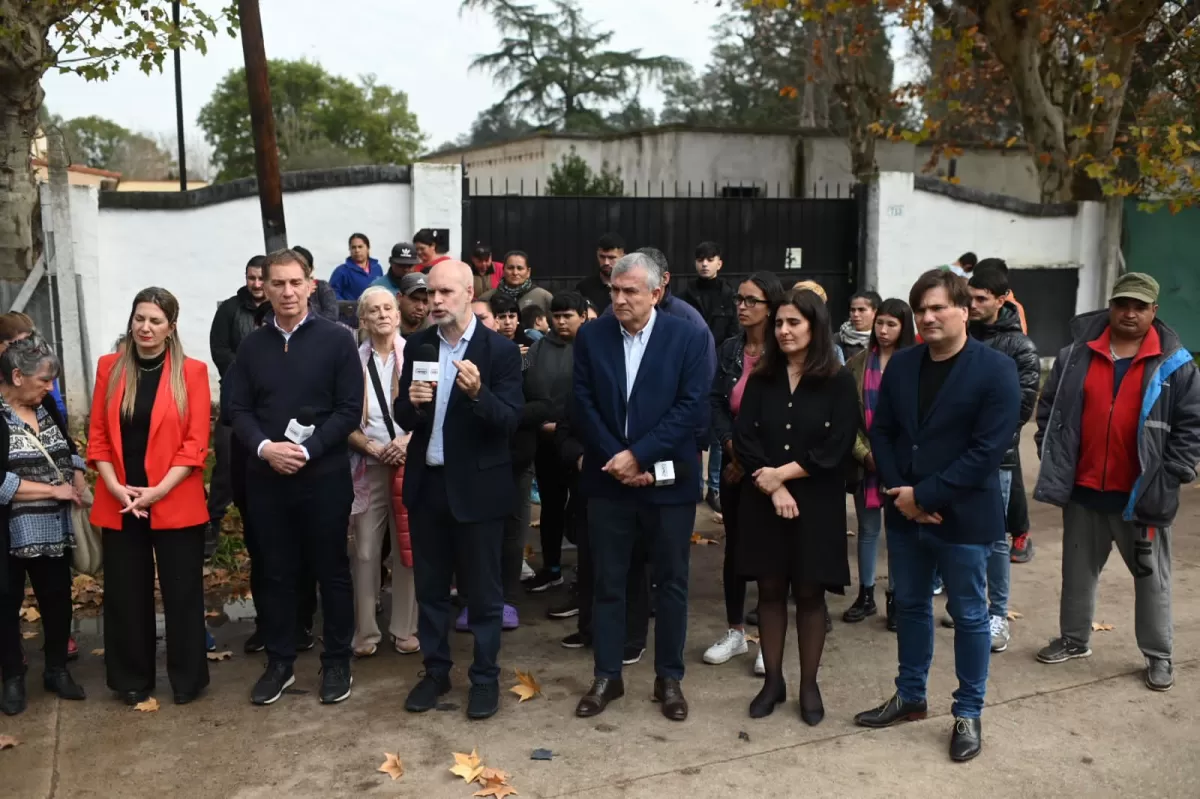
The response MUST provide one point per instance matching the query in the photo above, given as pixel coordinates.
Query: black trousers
(306, 587)
(1018, 503)
(51, 580)
(554, 486)
(735, 583)
(220, 491)
(301, 522)
(442, 548)
(130, 555)
(637, 588)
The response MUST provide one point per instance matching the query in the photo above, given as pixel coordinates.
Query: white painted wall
(912, 231)
(200, 254)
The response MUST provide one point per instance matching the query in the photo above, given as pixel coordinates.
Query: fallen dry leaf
(226, 655)
(528, 549)
(527, 687)
(30, 614)
(8, 742)
(467, 766)
(27, 635)
(149, 706)
(493, 775)
(213, 614)
(392, 766)
(98, 652)
(497, 789)
(701, 540)
(752, 638)
(1101, 628)
(1014, 615)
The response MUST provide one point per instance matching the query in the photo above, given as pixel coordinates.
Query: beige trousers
(367, 530)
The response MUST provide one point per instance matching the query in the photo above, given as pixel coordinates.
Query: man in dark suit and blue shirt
(641, 382)
(458, 481)
(297, 394)
(946, 414)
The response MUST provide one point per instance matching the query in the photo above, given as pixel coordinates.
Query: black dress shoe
(893, 711)
(187, 697)
(483, 700)
(670, 693)
(13, 701)
(425, 694)
(764, 704)
(603, 691)
(813, 711)
(59, 681)
(132, 698)
(967, 740)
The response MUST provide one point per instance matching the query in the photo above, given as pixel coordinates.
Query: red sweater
(1108, 434)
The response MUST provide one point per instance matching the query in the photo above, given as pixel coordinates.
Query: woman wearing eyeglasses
(735, 361)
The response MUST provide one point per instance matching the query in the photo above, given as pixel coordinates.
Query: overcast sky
(422, 47)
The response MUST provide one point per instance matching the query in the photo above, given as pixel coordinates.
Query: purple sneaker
(461, 623)
(510, 621)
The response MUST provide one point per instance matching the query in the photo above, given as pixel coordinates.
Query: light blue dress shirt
(635, 350)
(435, 455)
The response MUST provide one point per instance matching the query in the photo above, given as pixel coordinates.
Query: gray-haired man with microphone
(297, 395)
(458, 481)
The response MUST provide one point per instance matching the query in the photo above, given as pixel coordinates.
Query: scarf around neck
(518, 292)
(848, 335)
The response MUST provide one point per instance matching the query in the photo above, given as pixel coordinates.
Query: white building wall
(913, 231)
(200, 254)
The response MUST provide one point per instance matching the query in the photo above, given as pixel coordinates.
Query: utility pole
(262, 122)
(179, 103)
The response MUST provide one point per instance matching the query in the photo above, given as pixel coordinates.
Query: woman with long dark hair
(794, 438)
(41, 477)
(892, 331)
(736, 359)
(148, 440)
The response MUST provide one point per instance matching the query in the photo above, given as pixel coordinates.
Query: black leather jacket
(1004, 335)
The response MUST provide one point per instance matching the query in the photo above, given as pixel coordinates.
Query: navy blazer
(476, 434)
(668, 403)
(952, 457)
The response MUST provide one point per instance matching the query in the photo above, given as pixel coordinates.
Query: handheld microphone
(301, 428)
(426, 367)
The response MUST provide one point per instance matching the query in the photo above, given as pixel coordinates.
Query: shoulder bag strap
(373, 370)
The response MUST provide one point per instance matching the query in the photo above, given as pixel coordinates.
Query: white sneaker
(760, 668)
(732, 644)
(1000, 633)
(527, 572)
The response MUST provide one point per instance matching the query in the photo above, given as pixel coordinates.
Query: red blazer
(173, 442)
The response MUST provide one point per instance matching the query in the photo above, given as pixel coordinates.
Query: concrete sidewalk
(1085, 727)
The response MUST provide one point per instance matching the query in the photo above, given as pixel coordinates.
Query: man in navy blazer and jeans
(458, 482)
(946, 413)
(641, 380)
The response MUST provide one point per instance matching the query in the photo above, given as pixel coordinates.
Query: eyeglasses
(749, 302)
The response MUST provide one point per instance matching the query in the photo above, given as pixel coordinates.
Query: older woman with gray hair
(41, 475)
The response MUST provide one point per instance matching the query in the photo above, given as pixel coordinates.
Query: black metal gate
(796, 238)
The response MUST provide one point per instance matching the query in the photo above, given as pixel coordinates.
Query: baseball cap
(1135, 286)
(413, 281)
(404, 254)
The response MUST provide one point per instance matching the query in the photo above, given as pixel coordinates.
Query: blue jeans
(714, 467)
(913, 554)
(999, 565)
(870, 526)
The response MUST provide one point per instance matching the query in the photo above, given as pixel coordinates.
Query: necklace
(149, 369)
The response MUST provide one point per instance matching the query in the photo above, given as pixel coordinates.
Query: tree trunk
(24, 56)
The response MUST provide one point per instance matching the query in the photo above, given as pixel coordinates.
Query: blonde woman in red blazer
(148, 440)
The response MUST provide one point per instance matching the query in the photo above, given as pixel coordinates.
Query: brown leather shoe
(598, 696)
(670, 693)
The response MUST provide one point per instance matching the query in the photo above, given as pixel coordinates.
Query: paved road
(1087, 727)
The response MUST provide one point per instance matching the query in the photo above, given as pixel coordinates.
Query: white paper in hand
(298, 433)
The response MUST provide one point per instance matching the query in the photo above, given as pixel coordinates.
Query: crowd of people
(403, 441)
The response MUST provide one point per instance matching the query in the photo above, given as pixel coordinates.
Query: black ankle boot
(13, 701)
(59, 681)
(863, 607)
(890, 605)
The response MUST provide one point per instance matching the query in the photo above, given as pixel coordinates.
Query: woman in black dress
(794, 436)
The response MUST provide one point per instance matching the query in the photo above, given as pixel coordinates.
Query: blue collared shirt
(635, 349)
(435, 455)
